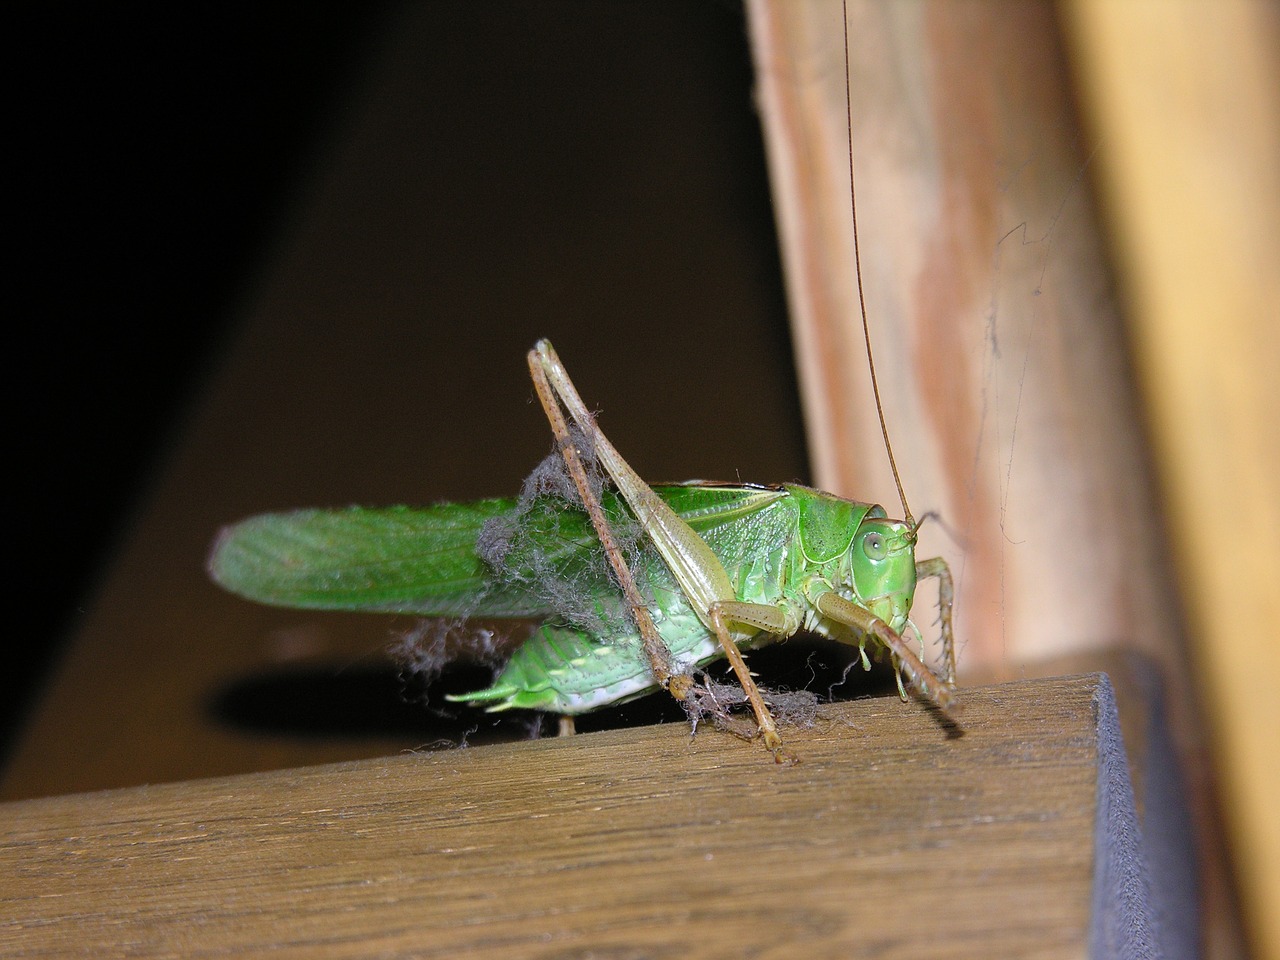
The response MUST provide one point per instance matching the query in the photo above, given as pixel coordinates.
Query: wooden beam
(892, 838)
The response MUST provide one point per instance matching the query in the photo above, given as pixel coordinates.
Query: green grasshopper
(726, 567)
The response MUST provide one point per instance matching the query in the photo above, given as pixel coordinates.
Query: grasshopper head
(883, 555)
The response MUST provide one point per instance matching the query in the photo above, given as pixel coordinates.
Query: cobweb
(546, 545)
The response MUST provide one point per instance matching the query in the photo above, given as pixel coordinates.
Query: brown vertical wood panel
(999, 348)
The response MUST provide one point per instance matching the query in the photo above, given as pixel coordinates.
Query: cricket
(635, 587)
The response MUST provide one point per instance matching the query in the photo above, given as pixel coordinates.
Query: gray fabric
(1123, 923)
(1168, 832)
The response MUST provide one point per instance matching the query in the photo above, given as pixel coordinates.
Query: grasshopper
(727, 567)
(724, 568)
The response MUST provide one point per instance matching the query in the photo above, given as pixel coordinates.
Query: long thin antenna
(857, 269)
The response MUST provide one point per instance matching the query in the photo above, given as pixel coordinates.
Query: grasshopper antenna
(857, 269)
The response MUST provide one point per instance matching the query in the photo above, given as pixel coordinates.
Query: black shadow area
(321, 701)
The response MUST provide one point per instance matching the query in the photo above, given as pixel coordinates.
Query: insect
(710, 570)
(726, 567)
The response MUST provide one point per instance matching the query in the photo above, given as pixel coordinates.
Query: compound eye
(873, 546)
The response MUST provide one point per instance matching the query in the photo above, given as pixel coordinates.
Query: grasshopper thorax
(859, 551)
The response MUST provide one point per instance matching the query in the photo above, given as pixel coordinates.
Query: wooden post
(1000, 353)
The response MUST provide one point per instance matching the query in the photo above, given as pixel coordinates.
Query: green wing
(402, 559)
(424, 560)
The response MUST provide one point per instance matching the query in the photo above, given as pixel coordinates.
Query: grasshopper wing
(426, 560)
(419, 560)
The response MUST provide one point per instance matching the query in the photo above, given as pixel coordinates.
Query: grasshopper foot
(773, 743)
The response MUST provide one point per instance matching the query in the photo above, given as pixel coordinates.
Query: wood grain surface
(1004, 364)
(892, 838)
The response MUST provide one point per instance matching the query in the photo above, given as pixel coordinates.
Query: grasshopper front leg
(937, 569)
(692, 563)
(937, 690)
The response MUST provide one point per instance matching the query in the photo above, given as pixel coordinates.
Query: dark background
(157, 146)
(161, 151)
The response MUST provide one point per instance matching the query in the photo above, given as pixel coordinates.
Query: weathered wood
(1000, 351)
(892, 838)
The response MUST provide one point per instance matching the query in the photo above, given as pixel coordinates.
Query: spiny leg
(937, 690)
(691, 561)
(938, 569)
(655, 649)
